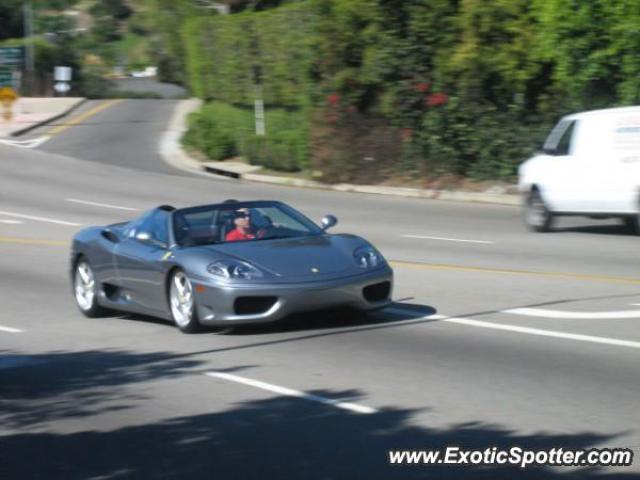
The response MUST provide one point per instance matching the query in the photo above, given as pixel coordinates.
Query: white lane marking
(292, 393)
(11, 222)
(104, 205)
(425, 237)
(541, 312)
(40, 219)
(32, 143)
(526, 330)
(10, 330)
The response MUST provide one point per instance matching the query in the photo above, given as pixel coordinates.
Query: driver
(244, 230)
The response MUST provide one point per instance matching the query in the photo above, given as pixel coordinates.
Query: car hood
(299, 259)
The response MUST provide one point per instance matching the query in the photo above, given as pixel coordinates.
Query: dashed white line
(292, 393)
(540, 312)
(425, 237)
(104, 205)
(11, 222)
(525, 330)
(40, 219)
(10, 330)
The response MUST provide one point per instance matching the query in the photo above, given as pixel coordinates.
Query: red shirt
(237, 234)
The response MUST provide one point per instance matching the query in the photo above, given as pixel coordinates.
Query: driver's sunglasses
(242, 215)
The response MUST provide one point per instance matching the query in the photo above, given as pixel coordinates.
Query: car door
(622, 177)
(139, 259)
(567, 178)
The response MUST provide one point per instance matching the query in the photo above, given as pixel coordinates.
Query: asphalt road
(450, 363)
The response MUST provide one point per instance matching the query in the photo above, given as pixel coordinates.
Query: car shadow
(607, 229)
(329, 319)
(340, 318)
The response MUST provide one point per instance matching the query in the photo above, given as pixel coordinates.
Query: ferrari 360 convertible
(226, 264)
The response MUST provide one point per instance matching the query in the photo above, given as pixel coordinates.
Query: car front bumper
(244, 304)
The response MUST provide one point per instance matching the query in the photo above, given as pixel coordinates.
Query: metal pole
(28, 50)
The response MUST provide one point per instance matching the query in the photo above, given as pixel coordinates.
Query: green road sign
(11, 56)
(6, 78)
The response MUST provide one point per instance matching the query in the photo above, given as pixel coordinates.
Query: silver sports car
(227, 264)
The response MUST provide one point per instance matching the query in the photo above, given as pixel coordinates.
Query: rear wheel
(85, 289)
(182, 303)
(537, 215)
(633, 223)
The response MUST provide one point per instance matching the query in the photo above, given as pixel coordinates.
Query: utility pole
(258, 103)
(27, 13)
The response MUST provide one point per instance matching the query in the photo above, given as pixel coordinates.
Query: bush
(283, 151)
(222, 131)
(208, 134)
(223, 54)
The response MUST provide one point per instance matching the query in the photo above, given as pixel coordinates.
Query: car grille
(253, 305)
(377, 292)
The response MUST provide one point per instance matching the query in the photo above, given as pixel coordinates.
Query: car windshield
(239, 222)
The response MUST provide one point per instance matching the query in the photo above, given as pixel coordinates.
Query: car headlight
(231, 269)
(368, 257)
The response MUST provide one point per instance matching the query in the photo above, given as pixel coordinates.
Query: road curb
(173, 153)
(57, 116)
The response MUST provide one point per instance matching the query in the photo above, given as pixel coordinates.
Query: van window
(564, 145)
(559, 140)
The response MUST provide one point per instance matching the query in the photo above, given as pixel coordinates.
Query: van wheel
(537, 215)
(632, 224)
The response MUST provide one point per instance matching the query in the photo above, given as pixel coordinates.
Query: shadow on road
(278, 437)
(39, 388)
(337, 320)
(607, 229)
(341, 319)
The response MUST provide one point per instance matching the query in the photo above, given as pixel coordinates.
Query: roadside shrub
(209, 135)
(222, 131)
(282, 151)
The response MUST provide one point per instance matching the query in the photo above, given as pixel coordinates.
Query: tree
(11, 23)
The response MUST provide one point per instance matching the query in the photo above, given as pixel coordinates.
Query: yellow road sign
(8, 95)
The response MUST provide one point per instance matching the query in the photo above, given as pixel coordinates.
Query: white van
(589, 165)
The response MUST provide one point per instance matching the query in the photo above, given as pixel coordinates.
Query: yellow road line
(33, 241)
(414, 265)
(83, 116)
(567, 275)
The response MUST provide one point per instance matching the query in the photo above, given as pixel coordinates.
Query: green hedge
(470, 87)
(222, 53)
(222, 131)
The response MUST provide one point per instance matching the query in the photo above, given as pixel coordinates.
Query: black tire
(632, 224)
(537, 215)
(85, 289)
(184, 317)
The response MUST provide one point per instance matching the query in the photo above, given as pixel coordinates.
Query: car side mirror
(146, 237)
(328, 221)
(110, 235)
(143, 236)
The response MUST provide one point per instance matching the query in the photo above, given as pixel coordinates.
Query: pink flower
(422, 87)
(406, 134)
(333, 99)
(436, 99)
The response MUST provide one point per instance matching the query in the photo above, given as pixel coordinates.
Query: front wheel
(182, 303)
(85, 290)
(633, 224)
(537, 215)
